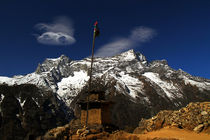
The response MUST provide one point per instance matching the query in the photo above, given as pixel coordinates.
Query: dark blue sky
(182, 31)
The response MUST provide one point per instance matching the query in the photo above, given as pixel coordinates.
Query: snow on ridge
(21, 103)
(7, 80)
(82, 62)
(75, 82)
(128, 55)
(58, 58)
(165, 86)
(2, 97)
(31, 78)
(40, 78)
(120, 67)
(36, 102)
(53, 59)
(133, 84)
(142, 57)
(200, 85)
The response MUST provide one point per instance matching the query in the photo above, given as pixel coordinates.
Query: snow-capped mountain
(67, 77)
(153, 85)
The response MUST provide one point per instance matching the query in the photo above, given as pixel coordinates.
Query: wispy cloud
(137, 36)
(59, 32)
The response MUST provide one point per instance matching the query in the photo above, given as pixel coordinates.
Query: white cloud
(114, 47)
(142, 34)
(60, 32)
(138, 36)
(52, 38)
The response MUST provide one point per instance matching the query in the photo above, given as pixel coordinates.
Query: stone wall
(195, 117)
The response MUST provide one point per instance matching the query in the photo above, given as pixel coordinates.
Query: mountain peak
(49, 63)
(131, 54)
(62, 57)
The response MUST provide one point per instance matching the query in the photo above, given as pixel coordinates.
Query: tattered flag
(96, 29)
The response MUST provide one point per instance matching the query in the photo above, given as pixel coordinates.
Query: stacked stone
(195, 116)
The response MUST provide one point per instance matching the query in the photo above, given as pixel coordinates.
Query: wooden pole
(90, 80)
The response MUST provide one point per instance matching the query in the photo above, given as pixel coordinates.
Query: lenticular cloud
(59, 32)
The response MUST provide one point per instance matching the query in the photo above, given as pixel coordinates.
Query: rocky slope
(139, 88)
(183, 124)
(27, 111)
(194, 117)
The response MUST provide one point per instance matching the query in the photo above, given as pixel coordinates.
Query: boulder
(198, 128)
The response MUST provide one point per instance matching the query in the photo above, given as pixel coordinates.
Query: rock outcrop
(195, 117)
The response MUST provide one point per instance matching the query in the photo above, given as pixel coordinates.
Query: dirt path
(162, 134)
(176, 133)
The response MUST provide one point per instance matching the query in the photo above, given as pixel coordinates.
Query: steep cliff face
(139, 88)
(27, 111)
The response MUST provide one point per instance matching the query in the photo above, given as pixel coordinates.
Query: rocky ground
(189, 123)
(166, 133)
(194, 117)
